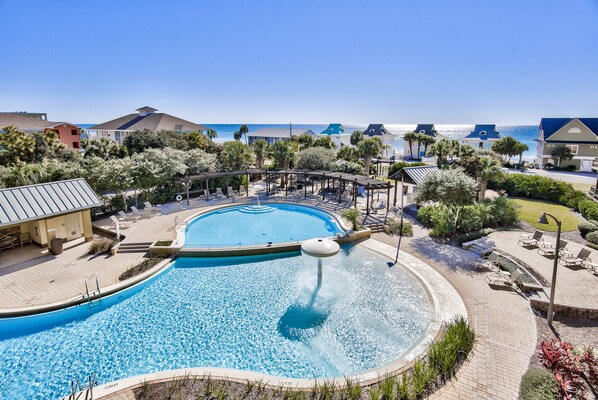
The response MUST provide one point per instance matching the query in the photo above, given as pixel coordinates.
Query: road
(578, 179)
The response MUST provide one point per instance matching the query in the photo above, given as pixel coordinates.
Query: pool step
(134, 247)
(376, 228)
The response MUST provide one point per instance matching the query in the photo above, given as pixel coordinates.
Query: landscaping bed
(142, 266)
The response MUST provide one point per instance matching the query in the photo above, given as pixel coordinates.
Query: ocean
(523, 133)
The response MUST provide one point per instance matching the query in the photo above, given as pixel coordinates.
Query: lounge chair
(230, 192)
(548, 249)
(577, 261)
(527, 240)
(122, 216)
(496, 279)
(487, 263)
(219, 193)
(138, 213)
(117, 222)
(206, 194)
(149, 207)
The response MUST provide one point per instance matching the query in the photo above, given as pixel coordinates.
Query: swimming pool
(259, 313)
(245, 225)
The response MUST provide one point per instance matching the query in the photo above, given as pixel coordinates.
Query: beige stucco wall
(583, 150)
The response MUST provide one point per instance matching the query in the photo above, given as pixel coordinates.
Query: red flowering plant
(566, 366)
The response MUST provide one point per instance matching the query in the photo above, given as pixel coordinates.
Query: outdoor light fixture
(544, 220)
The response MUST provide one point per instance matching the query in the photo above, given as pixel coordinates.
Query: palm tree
(260, 149)
(455, 149)
(244, 130)
(562, 153)
(369, 148)
(426, 141)
(467, 150)
(211, 134)
(356, 137)
(282, 153)
(521, 148)
(410, 138)
(236, 155)
(489, 168)
(441, 150)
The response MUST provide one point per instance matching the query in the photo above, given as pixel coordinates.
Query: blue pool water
(260, 313)
(251, 225)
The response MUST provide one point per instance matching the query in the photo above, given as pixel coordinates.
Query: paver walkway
(503, 321)
(575, 286)
(51, 278)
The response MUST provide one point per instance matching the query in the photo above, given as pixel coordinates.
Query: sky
(281, 61)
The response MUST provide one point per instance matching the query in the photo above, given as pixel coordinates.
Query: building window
(573, 147)
(481, 145)
(74, 132)
(482, 133)
(178, 127)
(422, 131)
(574, 130)
(76, 145)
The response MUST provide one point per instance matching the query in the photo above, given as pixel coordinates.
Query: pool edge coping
(443, 295)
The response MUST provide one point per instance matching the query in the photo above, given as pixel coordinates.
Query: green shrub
(394, 168)
(502, 212)
(538, 384)
(586, 227)
(592, 237)
(163, 243)
(468, 237)
(395, 227)
(424, 215)
(473, 218)
(353, 215)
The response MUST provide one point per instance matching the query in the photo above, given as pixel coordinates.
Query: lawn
(531, 210)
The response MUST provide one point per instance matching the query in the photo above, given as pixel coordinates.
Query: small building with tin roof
(46, 211)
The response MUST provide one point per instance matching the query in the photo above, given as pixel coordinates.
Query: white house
(482, 137)
(424, 129)
(337, 133)
(379, 131)
(273, 135)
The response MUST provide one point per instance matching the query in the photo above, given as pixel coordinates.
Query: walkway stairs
(375, 227)
(134, 247)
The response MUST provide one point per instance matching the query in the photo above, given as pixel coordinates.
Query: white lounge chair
(138, 213)
(230, 191)
(150, 207)
(496, 279)
(117, 222)
(527, 240)
(548, 249)
(206, 194)
(577, 261)
(219, 193)
(122, 216)
(487, 263)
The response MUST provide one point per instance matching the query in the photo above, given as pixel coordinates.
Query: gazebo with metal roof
(412, 175)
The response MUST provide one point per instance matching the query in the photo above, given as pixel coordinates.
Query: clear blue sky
(282, 61)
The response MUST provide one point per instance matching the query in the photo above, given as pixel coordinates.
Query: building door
(586, 165)
(73, 227)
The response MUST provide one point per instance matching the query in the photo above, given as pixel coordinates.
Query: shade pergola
(339, 181)
(412, 175)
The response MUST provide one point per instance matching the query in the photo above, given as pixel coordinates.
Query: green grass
(531, 210)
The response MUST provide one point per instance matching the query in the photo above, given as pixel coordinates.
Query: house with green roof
(482, 137)
(580, 135)
(337, 133)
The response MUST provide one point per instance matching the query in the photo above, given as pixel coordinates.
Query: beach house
(40, 213)
(579, 135)
(482, 137)
(424, 129)
(337, 133)
(68, 134)
(273, 135)
(379, 131)
(145, 118)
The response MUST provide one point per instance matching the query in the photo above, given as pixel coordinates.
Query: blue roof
(376, 130)
(484, 132)
(426, 129)
(550, 125)
(333, 129)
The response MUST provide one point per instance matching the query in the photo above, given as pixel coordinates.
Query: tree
(260, 150)
(561, 153)
(316, 158)
(305, 141)
(455, 149)
(427, 141)
(197, 140)
(356, 137)
(507, 146)
(410, 138)
(244, 131)
(441, 150)
(348, 153)
(489, 169)
(467, 151)
(452, 188)
(347, 167)
(16, 146)
(104, 148)
(283, 154)
(198, 161)
(140, 140)
(521, 148)
(368, 149)
(211, 134)
(325, 142)
(236, 155)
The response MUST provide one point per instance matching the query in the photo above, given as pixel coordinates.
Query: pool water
(252, 224)
(258, 313)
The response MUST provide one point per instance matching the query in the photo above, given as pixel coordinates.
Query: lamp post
(401, 223)
(544, 220)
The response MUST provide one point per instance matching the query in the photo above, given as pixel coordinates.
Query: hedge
(394, 168)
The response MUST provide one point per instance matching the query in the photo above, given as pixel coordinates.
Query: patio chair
(487, 263)
(206, 194)
(149, 207)
(502, 280)
(548, 249)
(230, 191)
(527, 240)
(25, 238)
(576, 261)
(122, 216)
(117, 222)
(138, 213)
(219, 193)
